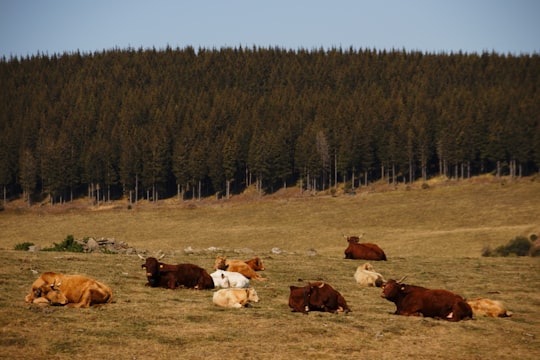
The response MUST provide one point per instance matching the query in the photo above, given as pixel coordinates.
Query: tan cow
(235, 298)
(71, 290)
(488, 308)
(366, 276)
(222, 263)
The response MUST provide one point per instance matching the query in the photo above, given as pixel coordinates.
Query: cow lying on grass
(317, 296)
(489, 308)
(414, 300)
(366, 251)
(71, 290)
(222, 263)
(174, 276)
(366, 276)
(229, 279)
(235, 298)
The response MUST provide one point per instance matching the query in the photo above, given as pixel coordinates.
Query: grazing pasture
(434, 236)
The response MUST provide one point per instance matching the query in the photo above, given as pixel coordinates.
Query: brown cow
(72, 290)
(489, 308)
(366, 251)
(174, 276)
(413, 300)
(317, 296)
(222, 263)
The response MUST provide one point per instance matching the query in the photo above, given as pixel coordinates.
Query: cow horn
(403, 278)
(321, 286)
(161, 256)
(141, 257)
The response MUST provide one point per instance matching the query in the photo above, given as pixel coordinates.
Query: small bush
(25, 246)
(69, 244)
(519, 246)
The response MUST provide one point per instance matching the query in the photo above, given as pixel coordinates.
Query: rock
(34, 248)
(91, 245)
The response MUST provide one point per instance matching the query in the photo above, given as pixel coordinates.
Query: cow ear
(402, 288)
(143, 266)
(161, 266)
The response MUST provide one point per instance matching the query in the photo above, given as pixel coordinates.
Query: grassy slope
(434, 236)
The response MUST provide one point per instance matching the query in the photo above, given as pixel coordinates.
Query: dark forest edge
(186, 124)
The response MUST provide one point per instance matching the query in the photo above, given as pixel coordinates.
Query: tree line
(186, 122)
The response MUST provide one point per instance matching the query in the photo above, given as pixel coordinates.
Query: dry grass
(434, 236)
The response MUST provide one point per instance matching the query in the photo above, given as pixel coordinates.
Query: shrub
(69, 244)
(519, 246)
(25, 246)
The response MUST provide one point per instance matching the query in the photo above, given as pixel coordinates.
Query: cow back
(190, 276)
(365, 251)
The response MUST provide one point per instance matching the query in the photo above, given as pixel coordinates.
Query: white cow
(235, 298)
(229, 279)
(366, 276)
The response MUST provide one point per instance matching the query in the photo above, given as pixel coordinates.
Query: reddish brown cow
(174, 276)
(413, 300)
(366, 251)
(317, 296)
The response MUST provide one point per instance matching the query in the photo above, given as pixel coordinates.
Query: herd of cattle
(233, 278)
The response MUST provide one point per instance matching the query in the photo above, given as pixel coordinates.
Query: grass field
(434, 236)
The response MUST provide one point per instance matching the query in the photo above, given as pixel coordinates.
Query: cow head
(367, 266)
(53, 293)
(392, 288)
(257, 264)
(221, 263)
(353, 239)
(151, 266)
(313, 294)
(252, 295)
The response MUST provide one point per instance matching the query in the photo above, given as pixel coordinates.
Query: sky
(430, 26)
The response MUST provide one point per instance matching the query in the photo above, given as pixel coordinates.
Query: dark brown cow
(413, 300)
(365, 251)
(174, 276)
(317, 296)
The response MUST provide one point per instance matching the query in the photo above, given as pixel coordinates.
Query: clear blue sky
(471, 26)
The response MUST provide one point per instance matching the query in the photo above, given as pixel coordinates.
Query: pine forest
(191, 123)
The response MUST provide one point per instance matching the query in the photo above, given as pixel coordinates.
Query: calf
(72, 290)
(229, 279)
(366, 276)
(413, 300)
(317, 296)
(235, 298)
(489, 308)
